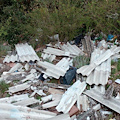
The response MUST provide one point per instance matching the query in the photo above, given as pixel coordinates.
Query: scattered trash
(68, 81)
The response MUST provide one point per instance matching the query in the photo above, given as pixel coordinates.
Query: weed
(39, 54)
(118, 65)
(113, 71)
(112, 62)
(3, 86)
(81, 61)
(38, 97)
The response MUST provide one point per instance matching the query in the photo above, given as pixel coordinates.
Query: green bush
(67, 17)
(26, 20)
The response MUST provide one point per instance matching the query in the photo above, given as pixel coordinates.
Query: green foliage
(113, 71)
(67, 17)
(24, 20)
(39, 54)
(16, 24)
(80, 61)
(3, 87)
(118, 65)
(112, 62)
(38, 97)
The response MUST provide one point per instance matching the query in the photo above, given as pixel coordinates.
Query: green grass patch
(39, 54)
(80, 61)
(38, 98)
(118, 65)
(113, 62)
(3, 86)
(113, 71)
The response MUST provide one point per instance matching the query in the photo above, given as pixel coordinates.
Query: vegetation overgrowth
(27, 20)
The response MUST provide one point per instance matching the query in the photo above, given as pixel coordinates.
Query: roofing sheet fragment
(26, 53)
(56, 52)
(111, 103)
(55, 70)
(71, 96)
(11, 58)
(72, 49)
(101, 73)
(18, 88)
(85, 71)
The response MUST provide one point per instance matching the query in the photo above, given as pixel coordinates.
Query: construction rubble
(51, 87)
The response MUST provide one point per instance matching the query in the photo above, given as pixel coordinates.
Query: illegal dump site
(76, 80)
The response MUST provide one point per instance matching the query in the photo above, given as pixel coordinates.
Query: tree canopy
(25, 20)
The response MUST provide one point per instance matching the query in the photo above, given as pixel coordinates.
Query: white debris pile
(32, 97)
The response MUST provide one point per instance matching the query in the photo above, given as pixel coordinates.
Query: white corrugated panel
(12, 112)
(83, 102)
(51, 69)
(111, 103)
(56, 52)
(55, 70)
(11, 58)
(73, 49)
(64, 63)
(26, 53)
(48, 56)
(101, 73)
(106, 55)
(71, 96)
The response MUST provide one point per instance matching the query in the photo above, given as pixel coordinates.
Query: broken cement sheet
(71, 96)
(18, 88)
(26, 53)
(101, 73)
(27, 102)
(86, 70)
(48, 56)
(55, 51)
(14, 98)
(72, 49)
(16, 67)
(11, 58)
(111, 103)
(55, 101)
(51, 70)
(83, 102)
(117, 81)
(12, 112)
(57, 70)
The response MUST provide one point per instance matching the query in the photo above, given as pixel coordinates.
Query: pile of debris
(33, 97)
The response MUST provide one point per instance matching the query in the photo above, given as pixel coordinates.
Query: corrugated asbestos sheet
(56, 52)
(12, 112)
(55, 70)
(11, 58)
(48, 56)
(111, 103)
(86, 70)
(71, 96)
(26, 53)
(72, 49)
(101, 73)
(66, 50)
